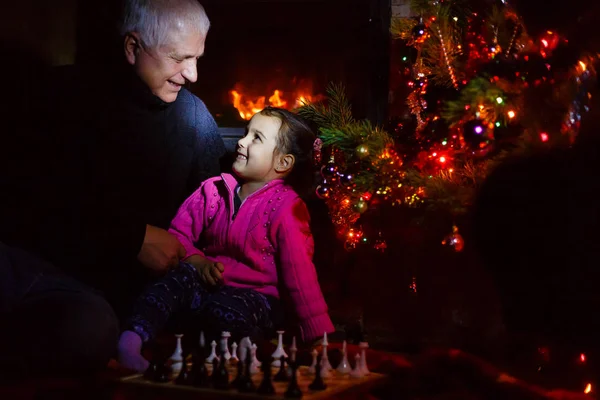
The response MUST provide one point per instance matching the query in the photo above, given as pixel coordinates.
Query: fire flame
(248, 107)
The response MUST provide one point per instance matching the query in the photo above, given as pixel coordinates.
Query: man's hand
(160, 250)
(210, 272)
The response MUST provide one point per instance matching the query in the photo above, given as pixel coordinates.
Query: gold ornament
(362, 151)
(361, 206)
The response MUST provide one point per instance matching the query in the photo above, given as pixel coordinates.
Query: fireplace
(282, 52)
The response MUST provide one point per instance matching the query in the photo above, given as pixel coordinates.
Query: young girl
(243, 236)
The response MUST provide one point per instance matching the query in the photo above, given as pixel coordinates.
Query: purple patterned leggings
(243, 312)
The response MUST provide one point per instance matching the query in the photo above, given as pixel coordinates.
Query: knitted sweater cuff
(315, 327)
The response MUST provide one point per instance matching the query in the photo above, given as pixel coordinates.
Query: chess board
(337, 386)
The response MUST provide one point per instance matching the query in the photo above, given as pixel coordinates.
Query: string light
(512, 39)
(450, 69)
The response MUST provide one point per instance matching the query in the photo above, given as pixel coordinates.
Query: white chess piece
(324, 357)
(344, 366)
(278, 351)
(234, 358)
(313, 367)
(243, 348)
(224, 345)
(363, 357)
(213, 352)
(177, 357)
(357, 372)
(325, 372)
(254, 361)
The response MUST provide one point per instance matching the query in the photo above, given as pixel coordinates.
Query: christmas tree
(481, 90)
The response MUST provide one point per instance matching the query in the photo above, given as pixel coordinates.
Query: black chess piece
(239, 376)
(199, 372)
(281, 375)
(246, 385)
(163, 373)
(185, 376)
(318, 383)
(152, 371)
(293, 391)
(220, 373)
(266, 386)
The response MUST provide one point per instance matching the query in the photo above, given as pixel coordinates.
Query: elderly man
(98, 163)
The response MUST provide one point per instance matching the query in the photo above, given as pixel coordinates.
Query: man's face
(167, 68)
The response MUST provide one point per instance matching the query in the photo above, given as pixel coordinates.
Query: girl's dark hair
(295, 138)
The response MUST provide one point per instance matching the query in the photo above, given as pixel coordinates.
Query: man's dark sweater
(94, 158)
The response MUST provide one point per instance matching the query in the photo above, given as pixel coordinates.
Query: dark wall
(38, 30)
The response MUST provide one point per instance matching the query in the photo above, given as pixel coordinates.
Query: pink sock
(130, 352)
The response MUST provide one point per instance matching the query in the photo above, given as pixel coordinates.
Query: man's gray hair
(153, 19)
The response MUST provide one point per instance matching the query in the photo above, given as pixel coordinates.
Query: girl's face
(256, 151)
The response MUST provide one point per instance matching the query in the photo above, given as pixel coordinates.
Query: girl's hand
(210, 272)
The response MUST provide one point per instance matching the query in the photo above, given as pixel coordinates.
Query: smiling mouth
(241, 157)
(175, 84)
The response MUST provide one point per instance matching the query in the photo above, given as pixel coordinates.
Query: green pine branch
(336, 113)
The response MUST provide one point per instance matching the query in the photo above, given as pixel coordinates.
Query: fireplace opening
(286, 52)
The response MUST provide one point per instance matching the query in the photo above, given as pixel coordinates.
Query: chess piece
(220, 375)
(357, 372)
(293, 391)
(281, 376)
(152, 370)
(185, 376)
(163, 373)
(279, 350)
(225, 346)
(244, 347)
(201, 341)
(293, 350)
(246, 385)
(363, 357)
(266, 386)
(325, 358)
(213, 353)
(312, 368)
(177, 357)
(344, 366)
(214, 374)
(325, 372)
(254, 364)
(234, 358)
(199, 372)
(318, 383)
(239, 376)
